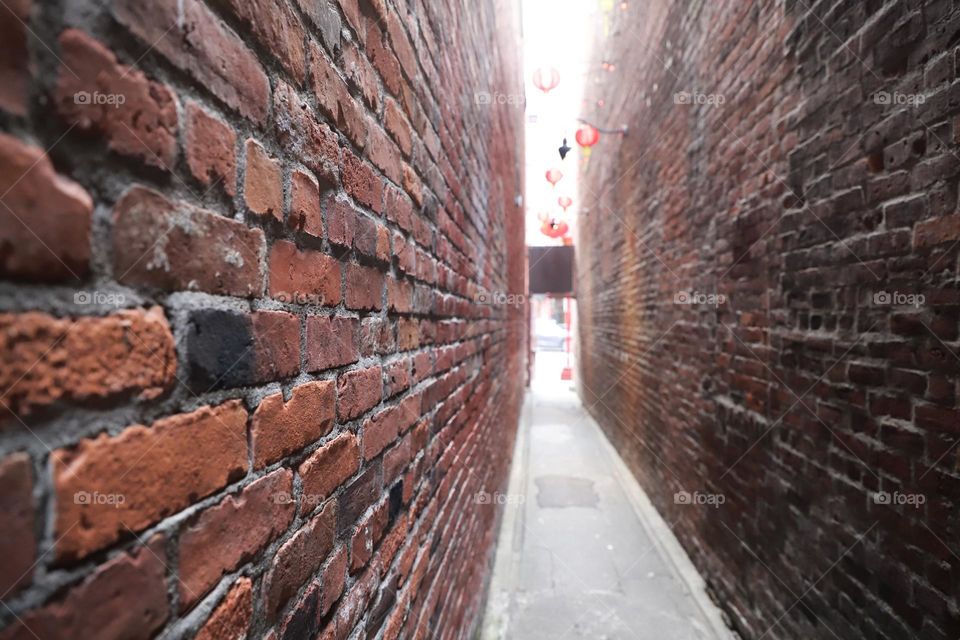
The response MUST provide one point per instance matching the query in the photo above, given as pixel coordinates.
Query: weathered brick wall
(803, 198)
(246, 386)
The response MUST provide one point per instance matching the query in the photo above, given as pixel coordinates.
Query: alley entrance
(581, 553)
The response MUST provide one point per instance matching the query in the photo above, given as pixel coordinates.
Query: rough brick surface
(799, 160)
(236, 317)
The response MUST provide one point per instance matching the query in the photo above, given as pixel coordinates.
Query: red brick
(379, 431)
(422, 367)
(396, 459)
(358, 391)
(45, 218)
(327, 468)
(211, 149)
(305, 215)
(412, 184)
(401, 46)
(369, 532)
(195, 40)
(276, 339)
(331, 342)
(397, 377)
(299, 558)
(382, 152)
(126, 597)
(361, 74)
(351, 11)
(399, 295)
(139, 118)
(406, 252)
(15, 68)
(397, 126)
(231, 533)
(303, 136)
(281, 428)
(303, 277)
(372, 239)
(937, 231)
(333, 579)
(191, 455)
(263, 182)
(231, 619)
(361, 182)
(18, 544)
(408, 334)
(384, 60)
(364, 288)
(277, 28)
(342, 221)
(175, 246)
(376, 337)
(44, 360)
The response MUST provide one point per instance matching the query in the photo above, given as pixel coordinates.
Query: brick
(326, 19)
(361, 74)
(18, 543)
(358, 391)
(397, 377)
(361, 182)
(281, 428)
(937, 231)
(125, 597)
(357, 497)
(327, 468)
(303, 136)
(47, 360)
(175, 246)
(45, 219)
(331, 342)
(302, 621)
(106, 486)
(136, 116)
(368, 534)
(210, 146)
(231, 619)
(305, 214)
(276, 28)
(401, 46)
(196, 41)
(299, 558)
(225, 536)
(383, 59)
(372, 239)
(221, 351)
(396, 459)
(342, 221)
(399, 295)
(364, 288)
(276, 344)
(379, 432)
(263, 182)
(396, 124)
(15, 70)
(332, 581)
(303, 277)
(383, 153)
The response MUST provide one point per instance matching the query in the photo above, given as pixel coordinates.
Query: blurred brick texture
(246, 387)
(819, 184)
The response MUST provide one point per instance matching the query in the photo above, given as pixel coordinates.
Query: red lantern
(553, 176)
(554, 228)
(564, 202)
(587, 136)
(546, 79)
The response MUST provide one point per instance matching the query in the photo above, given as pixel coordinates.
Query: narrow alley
(480, 319)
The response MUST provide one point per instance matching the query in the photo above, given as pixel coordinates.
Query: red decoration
(554, 228)
(564, 202)
(587, 136)
(553, 176)
(546, 79)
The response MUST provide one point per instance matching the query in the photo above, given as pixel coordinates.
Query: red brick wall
(247, 383)
(806, 395)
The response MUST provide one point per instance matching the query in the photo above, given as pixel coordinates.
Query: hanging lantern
(587, 136)
(553, 176)
(564, 202)
(554, 228)
(546, 79)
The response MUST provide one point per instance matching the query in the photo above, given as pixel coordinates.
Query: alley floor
(582, 553)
